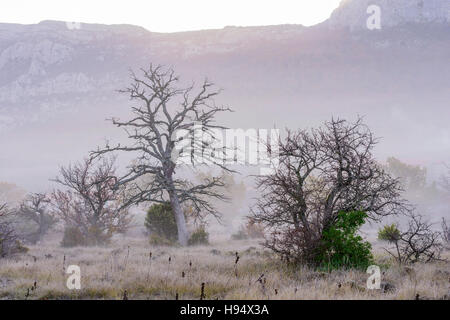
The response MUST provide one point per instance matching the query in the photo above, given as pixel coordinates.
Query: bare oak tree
(35, 208)
(321, 173)
(90, 201)
(163, 110)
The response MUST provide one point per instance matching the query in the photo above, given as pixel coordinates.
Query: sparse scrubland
(300, 238)
(131, 265)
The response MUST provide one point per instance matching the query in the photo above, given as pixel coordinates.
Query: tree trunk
(41, 227)
(179, 219)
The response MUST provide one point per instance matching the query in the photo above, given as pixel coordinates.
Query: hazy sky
(170, 15)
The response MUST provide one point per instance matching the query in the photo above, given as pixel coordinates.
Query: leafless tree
(163, 110)
(35, 208)
(445, 231)
(9, 241)
(419, 243)
(91, 202)
(322, 172)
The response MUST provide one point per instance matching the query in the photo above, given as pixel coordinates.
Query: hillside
(57, 84)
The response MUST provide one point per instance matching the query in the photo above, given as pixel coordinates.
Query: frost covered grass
(147, 272)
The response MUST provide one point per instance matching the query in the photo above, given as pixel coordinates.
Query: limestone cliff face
(59, 79)
(353, 13)
(52, 65)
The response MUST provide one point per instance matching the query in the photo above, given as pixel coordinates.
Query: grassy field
(144, 272)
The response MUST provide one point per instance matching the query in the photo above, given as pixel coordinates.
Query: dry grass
(107, 272)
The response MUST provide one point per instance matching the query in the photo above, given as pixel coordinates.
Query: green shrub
(389, 233)
(157, 240)
(199, 237)
(160, 220)
(341, 247)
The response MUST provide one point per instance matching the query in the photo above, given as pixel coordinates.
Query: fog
(272, 77)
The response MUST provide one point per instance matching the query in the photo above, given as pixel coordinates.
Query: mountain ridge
(57, 85)
(349, 13)
(354, 13)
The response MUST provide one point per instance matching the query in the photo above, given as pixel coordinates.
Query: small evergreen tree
(160, 220)
(389, 233)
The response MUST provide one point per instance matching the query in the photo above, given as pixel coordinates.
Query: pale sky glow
(170, 15)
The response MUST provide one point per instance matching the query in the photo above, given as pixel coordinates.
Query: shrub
(9, 248)
(199, 237)
(73, 237)
(157, 240)
(19, 248)
(341, 247)
(251, 230)
(96, 236)
(160, 220)
(389, 233)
